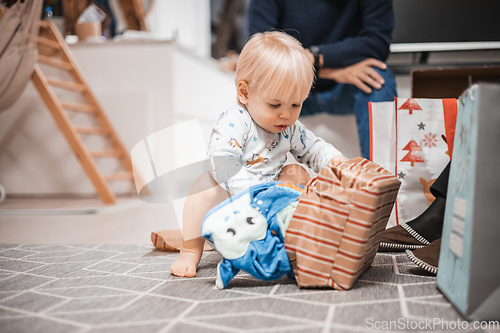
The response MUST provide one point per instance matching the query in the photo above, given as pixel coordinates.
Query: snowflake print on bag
(429, 140)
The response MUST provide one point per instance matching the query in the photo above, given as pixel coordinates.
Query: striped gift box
(335, 231)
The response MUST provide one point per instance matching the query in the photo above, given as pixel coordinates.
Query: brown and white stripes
(335, 231)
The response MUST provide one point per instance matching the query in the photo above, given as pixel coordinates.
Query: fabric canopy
(18, 48)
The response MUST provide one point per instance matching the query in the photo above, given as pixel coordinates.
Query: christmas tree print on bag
(410, 105)
(412, 138)
(413, 155)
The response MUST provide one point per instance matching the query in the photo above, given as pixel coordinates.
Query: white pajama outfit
(244, 154)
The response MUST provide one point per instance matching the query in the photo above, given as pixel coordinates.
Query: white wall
(186, 21)
(200, 89)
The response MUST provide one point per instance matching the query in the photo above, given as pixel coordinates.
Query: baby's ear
(243, 92)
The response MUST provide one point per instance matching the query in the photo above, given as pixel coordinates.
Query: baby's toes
(190, 271)
(178, 270)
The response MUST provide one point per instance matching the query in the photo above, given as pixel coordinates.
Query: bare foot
(185, 265)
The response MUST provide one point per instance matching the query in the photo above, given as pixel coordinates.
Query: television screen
(447, 21)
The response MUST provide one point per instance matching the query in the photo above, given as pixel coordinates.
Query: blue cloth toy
(248, 230)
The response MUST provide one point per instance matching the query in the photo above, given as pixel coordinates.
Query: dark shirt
(346, 31)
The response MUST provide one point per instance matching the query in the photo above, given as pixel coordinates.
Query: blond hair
(276, 63)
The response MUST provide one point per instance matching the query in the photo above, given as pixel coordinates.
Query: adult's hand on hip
(361, 74)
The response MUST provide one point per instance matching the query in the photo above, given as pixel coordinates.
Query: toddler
(249, 142)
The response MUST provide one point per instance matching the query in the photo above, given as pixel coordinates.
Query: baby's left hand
(338, 159)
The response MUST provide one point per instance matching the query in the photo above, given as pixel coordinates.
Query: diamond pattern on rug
(129, 288)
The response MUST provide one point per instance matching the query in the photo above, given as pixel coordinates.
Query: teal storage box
(469, 264)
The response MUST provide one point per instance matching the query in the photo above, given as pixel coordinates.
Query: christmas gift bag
(335, 230)
(413, 139)
(469, 264)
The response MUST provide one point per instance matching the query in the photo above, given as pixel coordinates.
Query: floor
(128, 288)
(82, 221)
(79, 266)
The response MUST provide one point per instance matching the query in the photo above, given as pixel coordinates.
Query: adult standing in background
(347, 41)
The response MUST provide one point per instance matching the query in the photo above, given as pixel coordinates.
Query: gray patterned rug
(117, 288)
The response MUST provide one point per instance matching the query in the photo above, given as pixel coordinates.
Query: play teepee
(18, 48)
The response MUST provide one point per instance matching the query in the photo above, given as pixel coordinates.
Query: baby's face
(271, 114)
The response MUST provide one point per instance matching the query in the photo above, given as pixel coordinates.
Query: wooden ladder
(54, 52)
